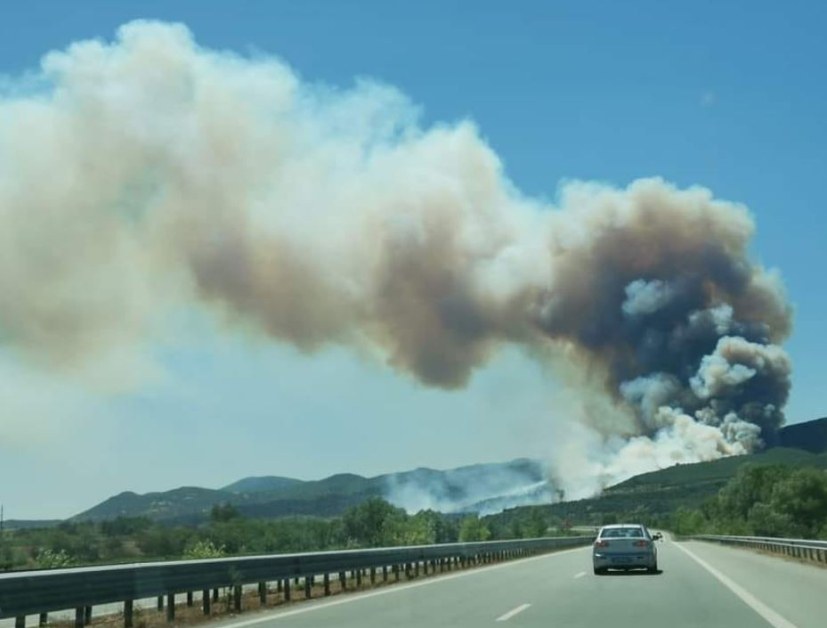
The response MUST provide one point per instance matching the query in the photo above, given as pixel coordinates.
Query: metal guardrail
(39, 592)
(807, 549)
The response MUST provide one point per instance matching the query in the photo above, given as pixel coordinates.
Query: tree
(686, 521)
(224, 512)
(535, 526)
(764, 520)
(374, 523)
(751, 485)
(124, 526)
(473, 529)
(203, 549)
(50, 559)
(802, 498)
(163, 542)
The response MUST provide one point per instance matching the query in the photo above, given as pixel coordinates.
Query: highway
(700, 585)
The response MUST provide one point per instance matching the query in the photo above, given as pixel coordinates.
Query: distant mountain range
(481, 488)
(477, 488)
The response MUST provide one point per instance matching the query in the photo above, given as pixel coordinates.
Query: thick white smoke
(150, 173)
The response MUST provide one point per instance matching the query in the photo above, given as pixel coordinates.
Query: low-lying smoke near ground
(483, 489)
(150, 174)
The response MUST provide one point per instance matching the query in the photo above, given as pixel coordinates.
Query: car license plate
(622, 560)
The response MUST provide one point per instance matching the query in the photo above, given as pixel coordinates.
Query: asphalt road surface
(700, 585)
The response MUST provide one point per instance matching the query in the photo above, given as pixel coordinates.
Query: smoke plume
(148, 173)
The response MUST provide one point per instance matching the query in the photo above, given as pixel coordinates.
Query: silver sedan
(624, 546)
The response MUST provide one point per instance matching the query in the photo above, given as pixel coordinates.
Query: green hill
(810, 436)
(263, 484)
(652, 496)
(467, 489)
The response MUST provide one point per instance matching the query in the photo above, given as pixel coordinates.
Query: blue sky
(726, 95)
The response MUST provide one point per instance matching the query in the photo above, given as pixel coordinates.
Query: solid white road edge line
(512, 612)
(776, 620)
(393, 588)
(579, 575)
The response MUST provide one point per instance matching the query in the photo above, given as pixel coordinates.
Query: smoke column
(147, 174)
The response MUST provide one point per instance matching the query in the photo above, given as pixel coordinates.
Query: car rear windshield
(618, 533)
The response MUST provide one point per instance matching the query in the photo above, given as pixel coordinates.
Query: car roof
(623, 525)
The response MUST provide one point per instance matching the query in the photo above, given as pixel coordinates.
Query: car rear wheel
(653, 568)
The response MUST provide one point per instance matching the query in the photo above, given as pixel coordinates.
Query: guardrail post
(358, 578)
(170, 607)
(327, 584)
(215, 594)
(342, 581)
(396, 572)
(416, 568)
(43, 619)
(79, 615)
(87, 615)
(373, 575)
(20, 621)
(205, 601)
(384, 573)
(160, 602)
(287, 589)
(127, 613)
(308, 584)
(189, 598)
(262, 593)
(237, 598)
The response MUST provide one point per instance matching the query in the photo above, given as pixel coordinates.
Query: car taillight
(601, 544)
(641, 543)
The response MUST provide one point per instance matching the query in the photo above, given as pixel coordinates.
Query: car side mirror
(657, 536)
